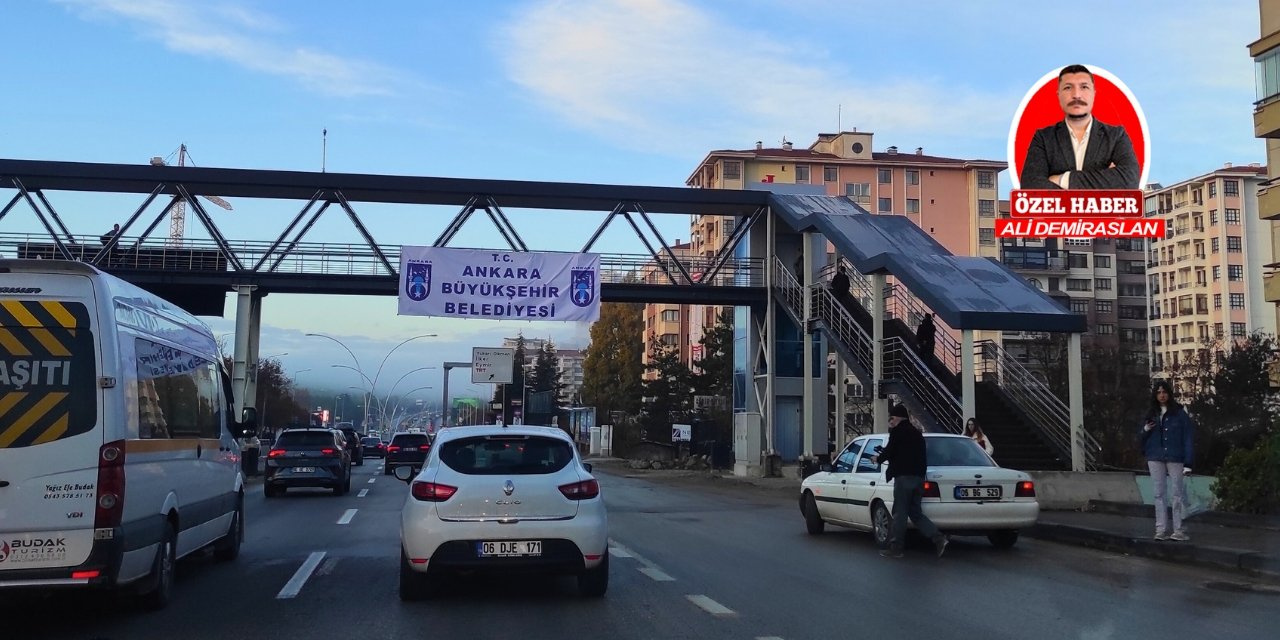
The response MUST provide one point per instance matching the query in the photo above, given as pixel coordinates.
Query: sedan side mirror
(587, 466)
(404, 473)
(826, 468)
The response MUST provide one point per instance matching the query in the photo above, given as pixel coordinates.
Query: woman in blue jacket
(1167, 437)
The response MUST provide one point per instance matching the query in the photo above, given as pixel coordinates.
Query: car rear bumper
(322, 477)
(982, 517)
(568, 545)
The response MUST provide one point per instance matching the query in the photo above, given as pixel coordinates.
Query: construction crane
(178, 210)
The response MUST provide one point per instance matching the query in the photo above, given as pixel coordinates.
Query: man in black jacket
(905, 454)
(1080, 151)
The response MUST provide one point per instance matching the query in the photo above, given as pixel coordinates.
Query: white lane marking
(294, 585)
(656, 574)
(363, 493)
(768, 638)
(627, 553)
(346, 517)
(371, 480)
(711, 606)
(619, 552)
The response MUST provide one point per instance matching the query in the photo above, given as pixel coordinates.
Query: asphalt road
(690, 559)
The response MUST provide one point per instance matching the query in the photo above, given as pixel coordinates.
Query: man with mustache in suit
(1080, 152)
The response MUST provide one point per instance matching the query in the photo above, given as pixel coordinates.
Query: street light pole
(293, 380)
(387, 401)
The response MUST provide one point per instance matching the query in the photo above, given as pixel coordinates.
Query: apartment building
(568, 364)
(1205, 276)
(668, 324)
(1102, 279)
(1266, 125)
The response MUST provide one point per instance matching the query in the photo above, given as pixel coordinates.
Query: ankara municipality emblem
(583, 287)
(417, 280)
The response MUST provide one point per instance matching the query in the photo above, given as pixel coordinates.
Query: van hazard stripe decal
(36, 420)
(54, 432)
(43, 313)
(60, 313)
(11, 344)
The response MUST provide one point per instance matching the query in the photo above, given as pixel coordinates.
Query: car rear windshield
(305, 439)
(506, 455)
(411, 440)
(955, 452)
(370, 441)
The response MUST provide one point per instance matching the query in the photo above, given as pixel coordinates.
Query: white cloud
(664, 75)
(239, 35)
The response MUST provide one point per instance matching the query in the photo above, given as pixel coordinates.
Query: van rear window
(47, 379)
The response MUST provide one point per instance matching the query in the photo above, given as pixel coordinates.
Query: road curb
(1252, 563)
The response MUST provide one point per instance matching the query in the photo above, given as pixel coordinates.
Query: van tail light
(931, 489)
(1026, 489)
(432, 492)
(275, 453)
(110, 505)
(393, 448)
(585, 490)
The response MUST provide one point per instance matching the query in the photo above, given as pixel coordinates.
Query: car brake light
(110, 505)
(275, 453)
(1026, 489)
(425, 447)
(85, 575)
(329, 452)
(585, 490)
(432, 492)
(393, 448)
(931, 490)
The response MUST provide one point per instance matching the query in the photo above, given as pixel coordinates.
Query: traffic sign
(492, 366)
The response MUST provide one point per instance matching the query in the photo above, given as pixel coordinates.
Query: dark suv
(373, 446)
(307, 458)
(407, 449)
(353, 445)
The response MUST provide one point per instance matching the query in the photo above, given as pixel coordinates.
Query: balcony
(1266, 119)
(1269, 201)
(1202, 310)
(1034, 261)
(1271, 286)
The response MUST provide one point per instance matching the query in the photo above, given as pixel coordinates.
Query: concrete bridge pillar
(244, 363)
(968, 404)
(879, 399)
(1075, 394)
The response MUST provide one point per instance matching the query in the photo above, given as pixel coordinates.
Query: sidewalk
(1250, 545)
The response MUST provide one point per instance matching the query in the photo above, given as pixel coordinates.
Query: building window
(1217, 301)
(913, 176)
(732, 170)
(1131, 312)
(1217, 273)
(987, 208)
(1237, 301)
(1233, 244)
(1215, 245)
(802, 174)
(859, 191)
(913, 205)
(1217, 330)
(1213, 188)
(1135, 290)
(669, 339)
(671, 315)
(1078, 260)
(1213, 217)
(1102, 262)
(1077, 284)
(986, 180)
(1103, 284)
(1266, 74)
(886, 176)
(1235, 272)
(1230, 188)
(1231, 216)
(1080, 306)
(830, 174)
(1105, 329)
(886, 205)
(1237, 330)
(1102, 306)
(987, 235)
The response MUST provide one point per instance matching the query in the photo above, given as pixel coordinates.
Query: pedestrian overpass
(786, 321)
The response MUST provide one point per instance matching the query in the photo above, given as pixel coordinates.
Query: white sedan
(502, 499)
(966, 493)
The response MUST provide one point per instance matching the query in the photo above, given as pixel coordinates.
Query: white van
(118, 449)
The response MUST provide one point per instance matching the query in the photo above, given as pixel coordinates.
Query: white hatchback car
(502, 499)
(965, 492)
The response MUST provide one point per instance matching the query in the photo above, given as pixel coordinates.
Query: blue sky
(606, 91)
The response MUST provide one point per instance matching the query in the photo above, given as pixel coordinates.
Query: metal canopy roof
(965, 292)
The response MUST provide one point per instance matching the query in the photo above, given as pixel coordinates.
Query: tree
(613, 367)
(669, 394)
(277, 401)
(714, 376)
(505, 393)
(546, 380)
(1229, 395)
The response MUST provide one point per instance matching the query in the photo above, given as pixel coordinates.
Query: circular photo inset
(1079, 127)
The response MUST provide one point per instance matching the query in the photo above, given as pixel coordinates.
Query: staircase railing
(902, 305)
(842, 324)
(1034, 399)
(902, 363)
